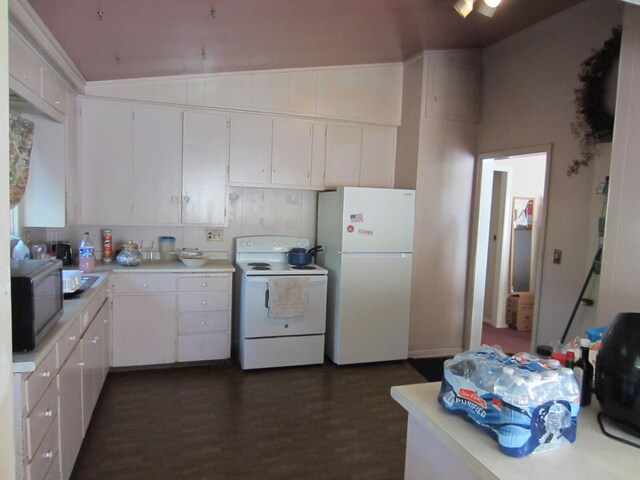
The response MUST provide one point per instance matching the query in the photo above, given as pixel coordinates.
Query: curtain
(20, 143)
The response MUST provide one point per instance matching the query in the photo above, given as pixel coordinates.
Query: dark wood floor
(221, 423)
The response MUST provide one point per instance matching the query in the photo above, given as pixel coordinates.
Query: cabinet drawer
(68, 342)
(92, 309)
(46, 456)
(203, 301)
(203, 322)
(37, 383)
(41, 418)
(203, 283)
(140, 284)
(205, 346)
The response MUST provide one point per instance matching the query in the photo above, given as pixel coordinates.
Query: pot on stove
(302, 256)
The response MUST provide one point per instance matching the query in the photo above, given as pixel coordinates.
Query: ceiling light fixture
(464, 7)
(485, 7)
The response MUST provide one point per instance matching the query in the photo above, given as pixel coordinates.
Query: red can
(107, 245)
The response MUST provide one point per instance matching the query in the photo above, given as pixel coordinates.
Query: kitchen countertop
(592, 455)
(26, 362)
(212, 266)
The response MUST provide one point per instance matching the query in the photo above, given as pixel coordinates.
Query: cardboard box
(519, 314)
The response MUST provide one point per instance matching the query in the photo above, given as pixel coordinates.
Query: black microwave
(36, 300)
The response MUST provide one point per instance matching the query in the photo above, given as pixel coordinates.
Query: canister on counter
(107, 246)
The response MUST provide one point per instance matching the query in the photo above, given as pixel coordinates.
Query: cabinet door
(343, 149)
(24, 66)
(205, 155)
(106, 162)
(157, 154)
(250, 150)
(318, 154)
(291, 160)
(144, 330)
(70, 411)
(93, 369)
(377, 168)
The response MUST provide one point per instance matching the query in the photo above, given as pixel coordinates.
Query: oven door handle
(266, 298)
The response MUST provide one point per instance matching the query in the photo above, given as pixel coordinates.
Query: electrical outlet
(557, 256)
(214, 234)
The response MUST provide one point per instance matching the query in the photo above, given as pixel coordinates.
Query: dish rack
(71, 280)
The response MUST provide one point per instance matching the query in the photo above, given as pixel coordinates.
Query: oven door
(258, 323)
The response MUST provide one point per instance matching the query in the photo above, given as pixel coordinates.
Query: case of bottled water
(526, 403)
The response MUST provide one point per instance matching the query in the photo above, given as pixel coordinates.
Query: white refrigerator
(367, 237)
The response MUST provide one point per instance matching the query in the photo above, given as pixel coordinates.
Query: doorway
(510, 216)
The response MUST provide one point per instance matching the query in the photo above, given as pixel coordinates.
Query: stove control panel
(269, 244)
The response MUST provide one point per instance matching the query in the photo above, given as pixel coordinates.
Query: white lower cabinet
(51, 416)
(165, 318)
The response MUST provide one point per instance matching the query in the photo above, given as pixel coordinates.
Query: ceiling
(148, 38)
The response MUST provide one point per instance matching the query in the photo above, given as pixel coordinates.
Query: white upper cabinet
(377, 168)
(24, 66)
(360, 156)
(453, 91)
(291, 159)
(318, 154)
(205, 156)
(157, 155)
(107, 162)
(250, 149)
(343, 150)
(370, 93)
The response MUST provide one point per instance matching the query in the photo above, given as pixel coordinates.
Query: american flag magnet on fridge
(356, 218)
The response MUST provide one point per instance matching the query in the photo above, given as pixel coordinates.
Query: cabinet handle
(275, 170)
(145, 285)
(46, 374)
(204, 284)
(81, 364)
(171, 310)
(201, 347)
(26, 77)
(94, 340)
(204, 302)
(48, 412)
(48, 454)
(72, 338)
(186, 199)
(204, 323)
(173, 198)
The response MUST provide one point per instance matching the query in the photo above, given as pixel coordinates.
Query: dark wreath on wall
(594, 124)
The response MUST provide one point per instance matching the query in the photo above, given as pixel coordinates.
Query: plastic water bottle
(504, 381)
(517, 394)
(86, 255)
(569, 385)
(20, 251)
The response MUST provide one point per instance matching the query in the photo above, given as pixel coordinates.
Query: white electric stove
(262, 338)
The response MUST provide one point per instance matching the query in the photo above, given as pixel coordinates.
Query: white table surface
(591, 456)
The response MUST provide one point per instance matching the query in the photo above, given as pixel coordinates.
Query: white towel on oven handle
(288, 297)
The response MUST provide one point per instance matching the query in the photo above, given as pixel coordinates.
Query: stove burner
(259, 264)
(261, 267)
(303, 267)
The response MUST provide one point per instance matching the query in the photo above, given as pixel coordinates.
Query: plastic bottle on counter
(86, 255)
(517, 394)
(504, 381)
(20, 251)
(570, 390)
(584, 372)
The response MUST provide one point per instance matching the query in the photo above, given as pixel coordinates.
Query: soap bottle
(20, 251)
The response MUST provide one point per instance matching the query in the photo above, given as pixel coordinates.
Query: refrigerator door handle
(266, 298)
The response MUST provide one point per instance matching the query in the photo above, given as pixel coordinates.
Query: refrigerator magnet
(356, 218)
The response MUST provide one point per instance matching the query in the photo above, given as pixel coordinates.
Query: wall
(7, 450)
(621, 255)
(251, 211)
(528, 97)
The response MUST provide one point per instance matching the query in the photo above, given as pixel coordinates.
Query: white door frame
(480, 238)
